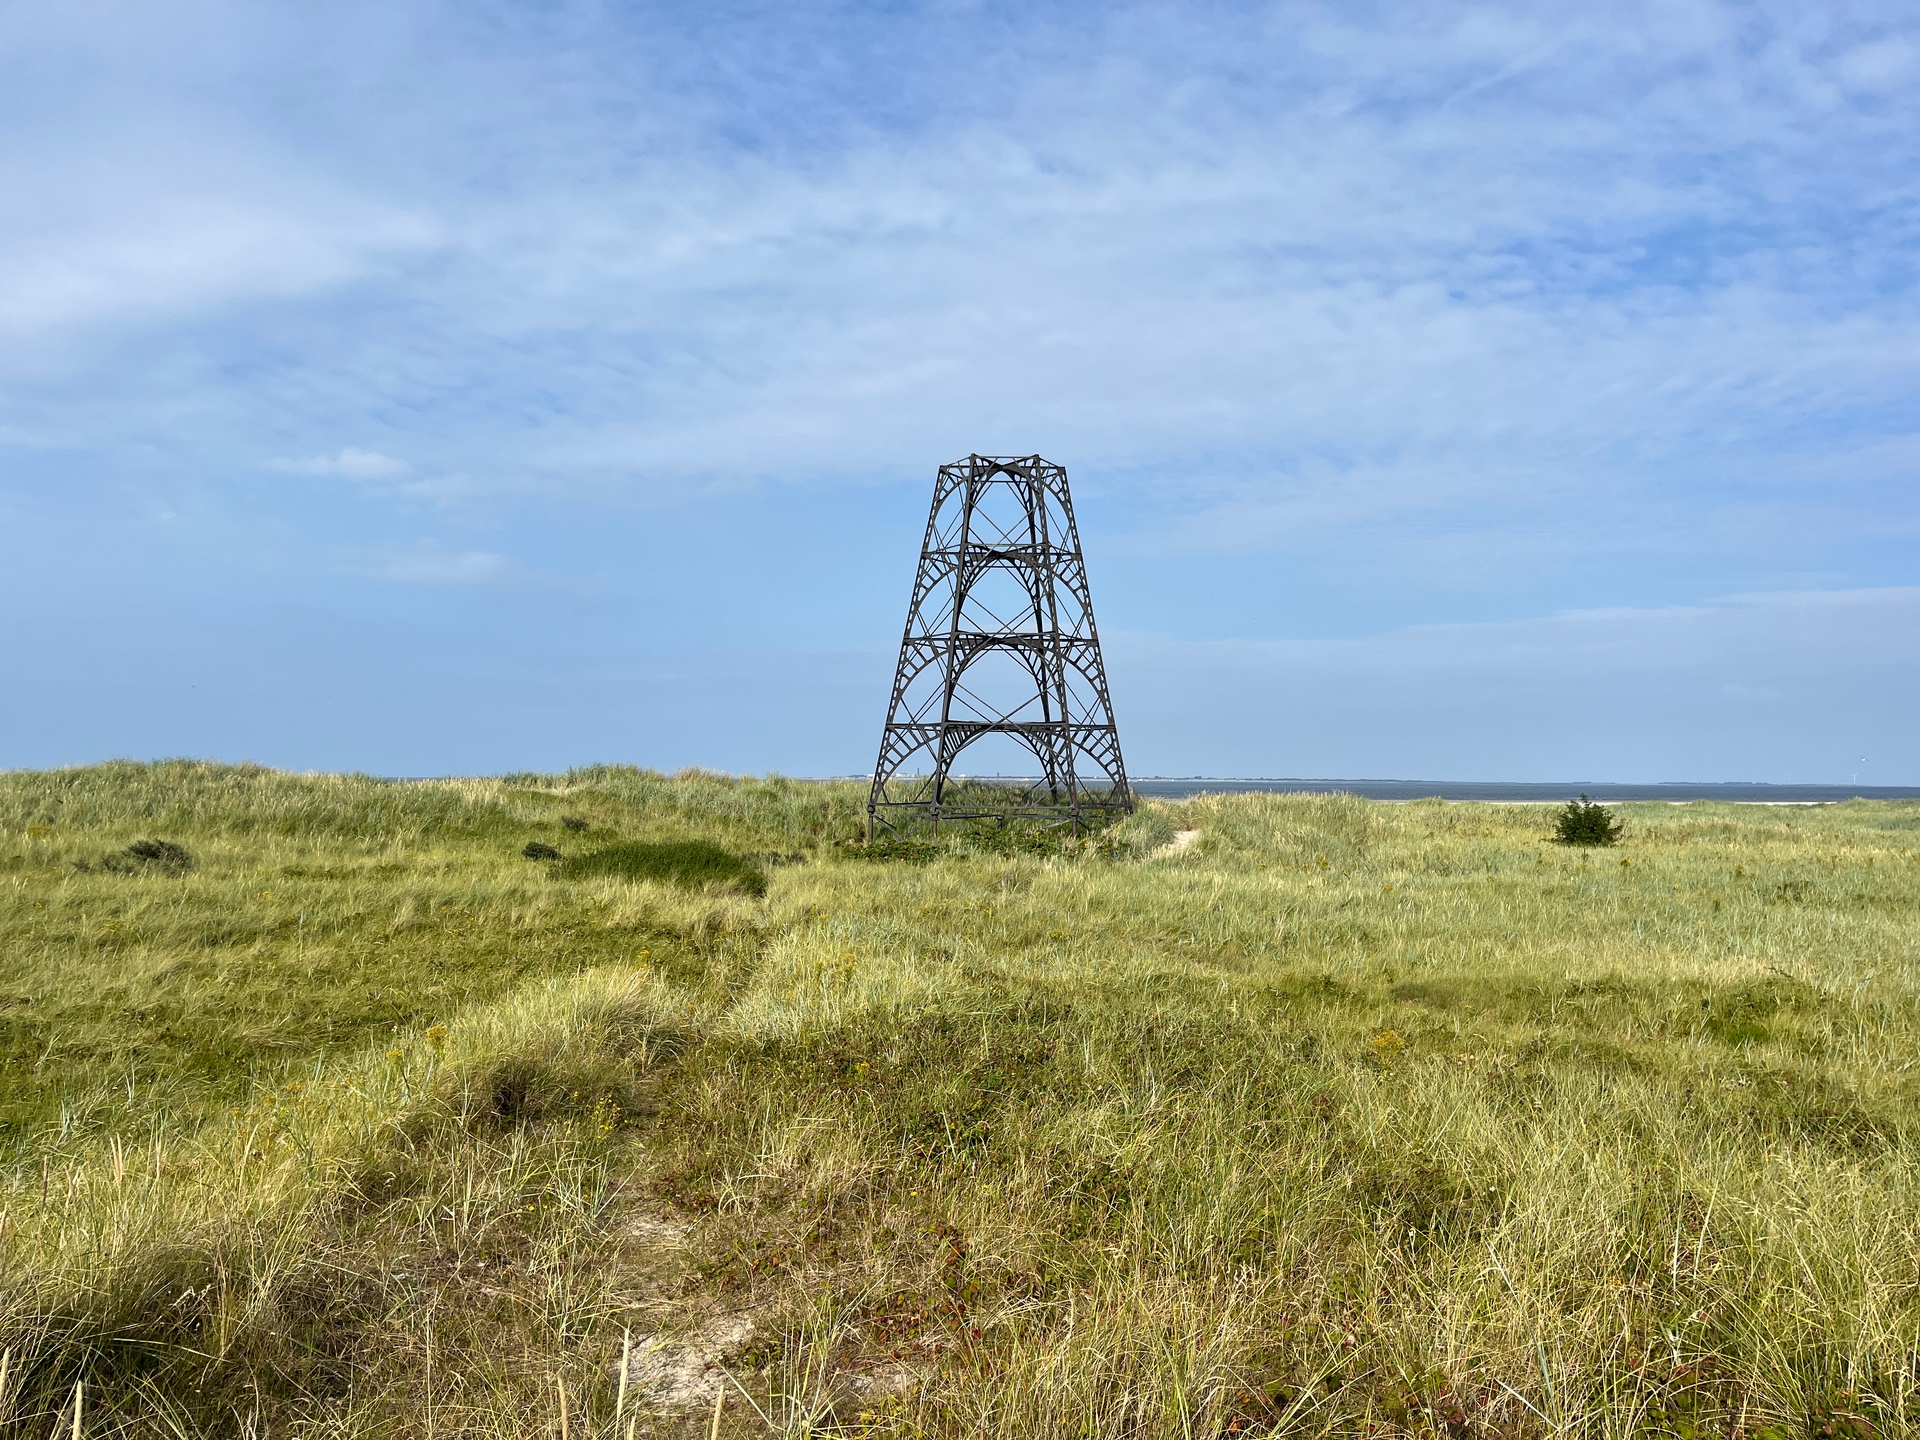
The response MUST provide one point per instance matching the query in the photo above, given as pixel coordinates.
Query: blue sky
(430, 388)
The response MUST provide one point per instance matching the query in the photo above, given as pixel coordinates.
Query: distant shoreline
(1493, 792)
(1507, 792)
(1529, 792)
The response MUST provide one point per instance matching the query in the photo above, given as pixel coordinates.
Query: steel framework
(1000, 640)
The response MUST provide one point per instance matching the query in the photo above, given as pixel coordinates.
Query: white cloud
(104, 237)
(349, 464)
(446, 489)
(1881, 65)
(428, 564)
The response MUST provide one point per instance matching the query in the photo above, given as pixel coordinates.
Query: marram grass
(1346, 1118)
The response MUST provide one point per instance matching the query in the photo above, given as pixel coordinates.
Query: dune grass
(1345, 1118)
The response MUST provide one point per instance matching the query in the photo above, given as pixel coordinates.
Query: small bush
(1587, 822)
(145, 855)
(693, 864)
(536, 851)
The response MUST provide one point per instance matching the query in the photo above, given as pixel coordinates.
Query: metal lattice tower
(1000, 641)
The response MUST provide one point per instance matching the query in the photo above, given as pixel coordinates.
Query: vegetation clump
(910, 849)
(690, 864)
(1027, 829)
(151, 855)
(1587, 822)
(539, 850)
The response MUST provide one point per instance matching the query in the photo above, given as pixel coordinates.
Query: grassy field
(1344, 1118)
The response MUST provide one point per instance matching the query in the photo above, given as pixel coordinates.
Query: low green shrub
(693, 864)
(1587, 822)
(144, 857)
(913, 849)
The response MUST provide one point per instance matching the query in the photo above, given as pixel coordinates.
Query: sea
(1750, 792)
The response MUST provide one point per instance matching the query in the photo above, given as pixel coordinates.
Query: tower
(1000, 642)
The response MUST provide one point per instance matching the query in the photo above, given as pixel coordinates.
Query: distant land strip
(1529, 792)
(1513, 792)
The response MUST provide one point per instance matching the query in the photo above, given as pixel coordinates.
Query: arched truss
(1000, 640)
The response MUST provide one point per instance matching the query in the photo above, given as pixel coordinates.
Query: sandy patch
(888, 1377)
(650, 1230)
(685, 1371)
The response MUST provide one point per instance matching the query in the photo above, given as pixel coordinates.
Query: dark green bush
(689, 863)
(146, 856)
(1587, 822)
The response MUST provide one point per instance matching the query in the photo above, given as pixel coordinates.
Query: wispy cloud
(434, 564)
(386, 475)
(428, 564)
(1494, 242)
(349, 464)
(172, 219)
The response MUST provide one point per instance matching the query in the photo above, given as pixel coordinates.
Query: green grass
(691, 864)
(1347, 1117)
